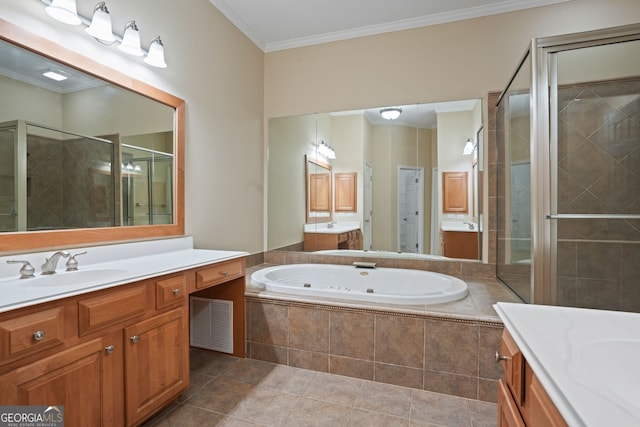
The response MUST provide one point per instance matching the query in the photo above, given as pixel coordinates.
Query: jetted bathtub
(385, 285)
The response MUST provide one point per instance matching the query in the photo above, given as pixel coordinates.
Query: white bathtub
(386, 285)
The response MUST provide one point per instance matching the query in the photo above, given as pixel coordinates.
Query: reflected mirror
(83, 146)
(398, 166)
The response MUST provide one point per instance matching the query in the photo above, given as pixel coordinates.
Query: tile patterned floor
(229, 392)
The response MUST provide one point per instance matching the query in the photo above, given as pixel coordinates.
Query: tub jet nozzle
(307, 285)
(369, 290)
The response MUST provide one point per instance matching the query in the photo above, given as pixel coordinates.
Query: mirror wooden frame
(32, 240)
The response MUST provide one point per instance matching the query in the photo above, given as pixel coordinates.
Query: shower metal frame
(543, 150)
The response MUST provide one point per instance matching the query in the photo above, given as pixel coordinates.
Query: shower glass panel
(568, 176)
(70, 180)
(146, 186)
(595, 194)
(8, 215)
(514, 183)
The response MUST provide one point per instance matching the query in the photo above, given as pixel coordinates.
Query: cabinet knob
(500, 358)
(134, 339)
(38, 335)
(109, 349)
(176, 291)
(225, 273)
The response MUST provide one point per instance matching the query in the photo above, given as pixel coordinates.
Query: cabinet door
(346, 192)
(156, 363)
(77, 379)
(455, 193)
(508, 415)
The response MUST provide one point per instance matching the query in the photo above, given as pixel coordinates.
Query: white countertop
(117, 264)
(336, 227)
(587, 360)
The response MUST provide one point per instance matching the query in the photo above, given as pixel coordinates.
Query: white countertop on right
(587, 360)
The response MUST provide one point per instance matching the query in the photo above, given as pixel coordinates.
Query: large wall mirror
(87, 154)
(398, 164)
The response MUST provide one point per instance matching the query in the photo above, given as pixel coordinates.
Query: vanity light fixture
(131, 40)
(155, 57)
(100, 27)
(390, 113)
(326, 150)
(469, 147)
(64, 11)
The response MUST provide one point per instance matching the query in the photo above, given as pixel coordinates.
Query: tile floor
(227, 391)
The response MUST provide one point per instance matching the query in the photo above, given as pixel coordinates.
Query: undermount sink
(73, 278)
(614, 363)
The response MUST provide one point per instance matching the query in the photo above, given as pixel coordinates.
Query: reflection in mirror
(66, 146)
(398, 166)
(318, 190)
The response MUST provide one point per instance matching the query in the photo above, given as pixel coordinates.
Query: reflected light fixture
(390, 113)
(64, 11)
(469, 147)
(55, 75)
(326, 150)
(100, 27)
(131, 40)
(155, 57)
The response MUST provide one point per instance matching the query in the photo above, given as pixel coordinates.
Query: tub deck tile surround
(445, 348)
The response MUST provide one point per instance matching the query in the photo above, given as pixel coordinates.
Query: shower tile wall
(435, 354)
(599, 173)
(66, 187)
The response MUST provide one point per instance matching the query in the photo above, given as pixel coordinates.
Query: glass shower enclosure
(568, 180)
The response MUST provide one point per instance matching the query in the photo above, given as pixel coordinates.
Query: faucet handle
(72, 263)
(26, 271)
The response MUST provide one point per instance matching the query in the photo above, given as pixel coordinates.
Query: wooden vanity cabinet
(327, 241)
(459, 244)
(522, 401)
(112, 357)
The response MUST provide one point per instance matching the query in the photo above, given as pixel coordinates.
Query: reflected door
(410, 209)
(367, 243)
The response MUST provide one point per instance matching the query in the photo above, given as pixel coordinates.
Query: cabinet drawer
(98, 312)
(219, 273)
(32, 332)
(171, 291)
(513, 364)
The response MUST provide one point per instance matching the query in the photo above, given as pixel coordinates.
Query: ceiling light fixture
(326, 150)
(54, 75)
(390, 113)
(100, 27)
(64, 11)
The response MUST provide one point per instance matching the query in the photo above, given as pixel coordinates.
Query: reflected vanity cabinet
(522, 401)
(112, 357)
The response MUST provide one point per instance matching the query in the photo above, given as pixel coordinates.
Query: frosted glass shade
(64, 11)
(131, 40)
(100, 27)
(155, 57)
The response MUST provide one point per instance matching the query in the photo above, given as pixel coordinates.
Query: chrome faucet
(470, 224)
(49, 266)
(331, 224)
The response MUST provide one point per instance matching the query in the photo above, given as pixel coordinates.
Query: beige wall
(219, 73)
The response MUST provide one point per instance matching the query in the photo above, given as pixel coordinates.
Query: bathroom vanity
(322, 236)
(568, 367)
(112, 353)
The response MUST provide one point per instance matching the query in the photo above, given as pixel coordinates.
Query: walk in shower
(568, 175)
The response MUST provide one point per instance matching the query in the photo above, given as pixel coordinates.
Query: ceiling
(283, 24)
